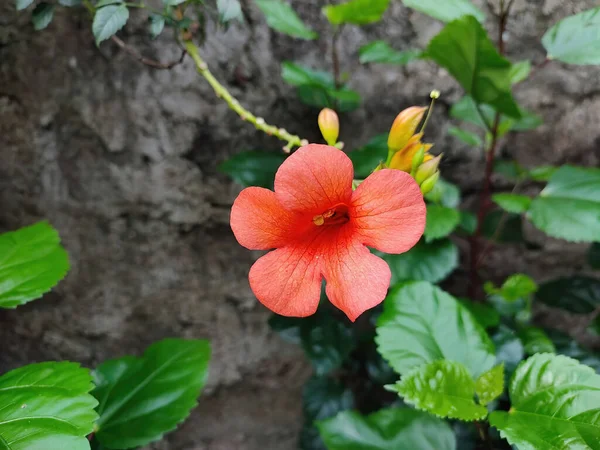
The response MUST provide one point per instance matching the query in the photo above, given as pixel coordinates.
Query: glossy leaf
(229, 10)
(484, 314)
(381, 52)
(141, 399)
(445, 193)
(555, 403)
(594, 255)
(535, 341)
(575, 39)
(513, 203)
(366, 158)
(22, 4)
(387, 429)
(357, 12)
(465, 136)
(578, 294)
(281, 17)
(421, 323)
(32, 262)
(253, 168)
(46, 406)
(465, 50)
(446, 11)
(431, 262)
(42, 15)
(569, 206)
(441, 221)
(108, 20)
(490, 385)
(442, 388)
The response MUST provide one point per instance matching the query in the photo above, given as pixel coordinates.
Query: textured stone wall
(122, 160)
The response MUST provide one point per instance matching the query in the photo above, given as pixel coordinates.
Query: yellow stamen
(319, 220)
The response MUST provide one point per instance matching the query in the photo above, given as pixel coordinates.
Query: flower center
(337, 215)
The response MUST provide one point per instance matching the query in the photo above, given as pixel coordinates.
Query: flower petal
(388, 211)
(259, 221)
(356, 279)
(288, 280)
(314, 178)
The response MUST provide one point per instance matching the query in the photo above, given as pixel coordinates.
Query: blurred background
(122, 160)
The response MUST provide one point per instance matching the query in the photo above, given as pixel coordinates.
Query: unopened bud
(329, 124)
(418, 159)
(435, 94)
(427, 169)
(429, 183)
(404, 127)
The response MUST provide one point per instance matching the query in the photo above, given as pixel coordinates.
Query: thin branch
(147, 61)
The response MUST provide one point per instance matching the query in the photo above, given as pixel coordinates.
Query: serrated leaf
(143, 398)
(594, 255)
(229, 10)
(555, 403)
(446, 11)
(431, 262)
(535, 340)
(22, 4)
(32, 262)
(575, 39)
(42, 15)
(46, 406)
(484, 314)
(578, 294)
(281, 17)
(157, 25)
(381, 52)
(441, 221)
(490, 385)
(357, 12)
(387, 429)
(465, 136)
(513, 203)
(465, 50)
(445, 193)
(253, 168)
(421, 323)
(442, 388)
(108, 21)
(366, 158)
(519, 71)
(569, 206)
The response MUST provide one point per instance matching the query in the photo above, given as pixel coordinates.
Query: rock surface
(122, 159)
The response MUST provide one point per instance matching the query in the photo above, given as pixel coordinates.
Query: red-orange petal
(288, 280)
(314, 178)
(356, 279)
(388, 211)
(259, 221)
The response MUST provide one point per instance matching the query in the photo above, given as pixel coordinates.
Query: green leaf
(441, 221)
(511, 170)
(542, 173)
(103, 3)
(566, 345)
(442, 388)
(515, 287)
(490, 385)
(357, 12)
(229, 10)
(554, 405)
(42, 15)
(513, 203)
(510, 225)
(173, 2)
(253, 168)
(108, 21)
(528, 121)
(46, 406)
(468, 222)
(366, 158)
(281, 17)
(445, 193)
(32, 262)
(465, 50)
(324, 397)
(484, 314)
(569, 206)
(594, 255)
(421, 324)
(535, 340)
(509, 348)
(431, 262)
(69, 3)
(519, 71)
(578, 294)
(22, 4)
(575, 39)
(381, 52)
(143, 398)
(157, 25)
(387, 429)
(446, 11)
(465, 136)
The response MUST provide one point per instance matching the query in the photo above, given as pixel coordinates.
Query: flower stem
(222, 92)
